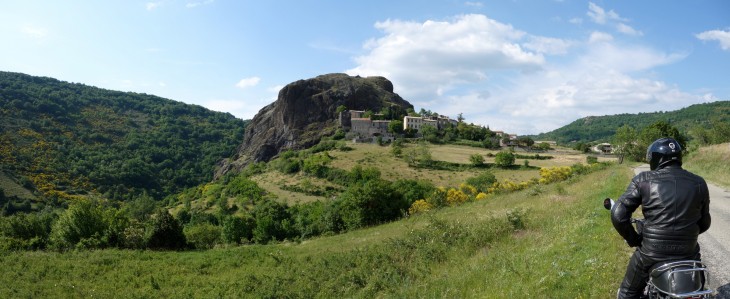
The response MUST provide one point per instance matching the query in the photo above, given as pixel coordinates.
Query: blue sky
(518, 66)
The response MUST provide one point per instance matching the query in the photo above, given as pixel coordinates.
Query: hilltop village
(364, 128)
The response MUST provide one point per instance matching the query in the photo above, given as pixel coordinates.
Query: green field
(566, 249)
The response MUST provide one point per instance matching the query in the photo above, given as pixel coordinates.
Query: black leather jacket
(676, 208)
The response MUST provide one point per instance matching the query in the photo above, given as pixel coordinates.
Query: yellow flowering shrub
(419, 206)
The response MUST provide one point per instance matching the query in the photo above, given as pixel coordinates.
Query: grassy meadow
(711, 162)
(549, 241)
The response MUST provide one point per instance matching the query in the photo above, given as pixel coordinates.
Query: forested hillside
(602, 128)
(61, 140)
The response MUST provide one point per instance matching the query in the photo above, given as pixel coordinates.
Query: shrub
(25, 231)
(165, 232)
(419, 206)
(504, 159)
(438, 197)
(237, 230)
(483, 181)
(371, 203)
(455, 197)
(271, 221)
(481, 196)
(555, 174)
(203, 236)
(591, 159)
(476, 160)
(517, 218)
(84, 220)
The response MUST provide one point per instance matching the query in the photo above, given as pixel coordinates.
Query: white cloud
(200, 3)
(511, 80)
(600, 16)
(153, 5)
(548, 45)
(626, 29)
(430, 58)
(576, 21)
(723, 37)
(474, 4)
(248, 82)
(598, 37)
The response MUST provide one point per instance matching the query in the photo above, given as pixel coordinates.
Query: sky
(519, 66)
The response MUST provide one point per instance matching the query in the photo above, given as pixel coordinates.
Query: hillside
(602, 128)
(62, 140)
(307, 110)
(554, 241)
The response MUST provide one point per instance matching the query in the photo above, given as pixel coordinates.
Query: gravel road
(715, 242)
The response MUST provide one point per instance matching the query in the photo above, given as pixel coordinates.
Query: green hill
(63, 140)
(602, 128)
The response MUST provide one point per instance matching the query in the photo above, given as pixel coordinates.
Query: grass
(711, 162)
(568, 249)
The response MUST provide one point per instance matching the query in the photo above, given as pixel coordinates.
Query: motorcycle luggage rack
(664, 278)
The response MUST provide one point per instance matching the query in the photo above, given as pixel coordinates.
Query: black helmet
(662, 152)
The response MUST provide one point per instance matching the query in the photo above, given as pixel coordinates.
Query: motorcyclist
(675, 204)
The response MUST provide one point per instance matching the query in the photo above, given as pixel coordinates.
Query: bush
(482, 181)
(272, 221)
(476, 160)
(203, 236)
(419, 206)
(83, 221)
(371, 203)
(591, 159)
(165, 232)
(236, 230)
(504, 159)
(25, 231)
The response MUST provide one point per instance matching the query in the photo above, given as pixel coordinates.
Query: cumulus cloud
(248, 82)
(513, 81)
(723, 37)
(429, 58)
(548, 45)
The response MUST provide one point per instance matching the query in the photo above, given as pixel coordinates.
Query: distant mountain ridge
(63, 140)
(602, 128)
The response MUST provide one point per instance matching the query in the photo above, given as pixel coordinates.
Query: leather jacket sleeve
(622, 210)
(705, 220)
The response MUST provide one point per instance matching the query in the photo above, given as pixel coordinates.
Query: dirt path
(715, 242)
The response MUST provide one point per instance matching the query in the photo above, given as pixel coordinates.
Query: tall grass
(711, 162)
(567, 249)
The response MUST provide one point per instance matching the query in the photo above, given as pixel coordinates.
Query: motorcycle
(672, 279)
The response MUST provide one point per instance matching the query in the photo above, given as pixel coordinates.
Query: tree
(374, 202)
(430, 133)
(476, 160)
(165, 232)
(271, 221)
(395, 127)
(82, 224)
(504, 159)
(341, 108)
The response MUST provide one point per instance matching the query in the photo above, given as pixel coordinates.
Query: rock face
(304, 112)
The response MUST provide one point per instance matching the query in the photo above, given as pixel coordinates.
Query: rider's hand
(636, 242)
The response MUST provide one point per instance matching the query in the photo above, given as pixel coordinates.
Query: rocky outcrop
(304, 112)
